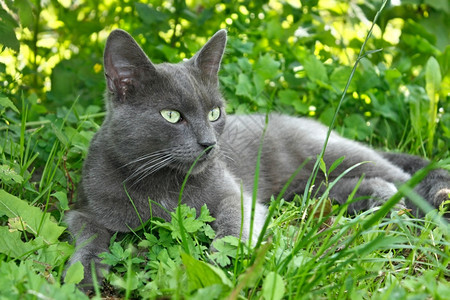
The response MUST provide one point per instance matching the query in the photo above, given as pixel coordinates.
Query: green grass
(311, 248)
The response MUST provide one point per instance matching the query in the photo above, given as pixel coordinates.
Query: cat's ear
(124, 63)
(209, 57)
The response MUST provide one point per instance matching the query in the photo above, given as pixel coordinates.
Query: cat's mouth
(149, 164)
(199, 164)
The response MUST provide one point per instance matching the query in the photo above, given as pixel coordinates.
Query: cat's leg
(258, 220)
(229, 219)
(372, 191)
(409, 163)
(435, 187)
(233, 214)
(91, 239)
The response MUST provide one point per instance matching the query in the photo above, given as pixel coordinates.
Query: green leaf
(62, 198)
(244, 64)
(339, 79)
(366, 78)
(267, 67)
(226, 249)
(327, 116)
(12, 245)
(8, 175)
(273, 287)
(60, 135)
(315, 69)
(209, 232)
(55, 254)
(380, 242)
(170, 53)
(292, 98)
(419, 44)
(439, 5)
(188, 215)
(75, 273)
(25, 12)
(239, 45)
(244, 86)
(274, 29)
(190, 223)
(204, 215)
(8, 37)
(38, 222)
(7, 19)
(356, 127)
(259, 83)
(393, 76)
(6, 103)
(149, 15)
(433, 77)
(433, 80)
(288, 96)
(211, 292)
(202, 275)
(323, 167)
(116, 255)
(335, 164)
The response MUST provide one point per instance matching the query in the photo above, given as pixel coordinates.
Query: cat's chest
(127, 205)
(163, 193)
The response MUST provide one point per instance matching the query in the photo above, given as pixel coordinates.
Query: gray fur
(136, 148)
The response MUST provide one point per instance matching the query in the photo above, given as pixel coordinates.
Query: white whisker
(228, 157)
(148, 156)
(149, 168)
(147, 164)
(153, 167)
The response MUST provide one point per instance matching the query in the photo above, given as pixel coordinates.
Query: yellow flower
(97, 68)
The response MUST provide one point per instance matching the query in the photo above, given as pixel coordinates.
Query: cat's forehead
(177, 73)
(183, 80)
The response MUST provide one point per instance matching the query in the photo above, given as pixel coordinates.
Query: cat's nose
(209, 145)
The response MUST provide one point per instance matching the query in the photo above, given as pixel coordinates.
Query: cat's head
(162, 115)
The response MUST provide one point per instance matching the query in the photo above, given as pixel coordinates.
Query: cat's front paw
(400, 206)
(442, 197)
(87, 283)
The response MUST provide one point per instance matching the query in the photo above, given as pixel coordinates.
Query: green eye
(171, 116)
(214, 114)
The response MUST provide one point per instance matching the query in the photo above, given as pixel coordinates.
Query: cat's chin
(199, 167)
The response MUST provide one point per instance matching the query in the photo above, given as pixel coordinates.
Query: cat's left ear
(208, 59)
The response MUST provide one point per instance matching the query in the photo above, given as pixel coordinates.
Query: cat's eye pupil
(171, 116)
(214, 114)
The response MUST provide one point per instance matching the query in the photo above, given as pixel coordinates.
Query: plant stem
(361, 55)
(35, 41)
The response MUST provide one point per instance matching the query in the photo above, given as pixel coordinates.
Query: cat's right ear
(124, 61)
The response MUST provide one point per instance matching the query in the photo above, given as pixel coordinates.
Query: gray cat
(160, 118)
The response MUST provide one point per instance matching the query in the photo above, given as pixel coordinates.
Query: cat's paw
(442, 198)
(400, 205)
